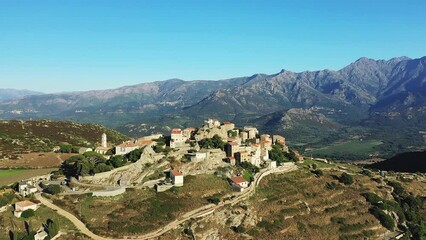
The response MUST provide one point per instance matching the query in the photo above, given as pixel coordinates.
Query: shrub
(384, 218)
(27, 213)
(372, 198)
(346, 179)
(52, 189)
(318, 172)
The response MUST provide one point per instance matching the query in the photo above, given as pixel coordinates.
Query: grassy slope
(139, 211)
(13, 175)
(351, 150)
(42, 135)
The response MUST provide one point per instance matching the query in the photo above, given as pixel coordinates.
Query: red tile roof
(238, 180)
(25, 203)
(176, 131)
(127, 144)
(176, 172)
(227, 123)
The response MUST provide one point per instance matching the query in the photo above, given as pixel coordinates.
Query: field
(352, 150)
(141, 211)
(9, 222)
(36, 160)
(9, 176)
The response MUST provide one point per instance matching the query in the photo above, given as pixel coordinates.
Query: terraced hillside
(18, 137)
(311, 204)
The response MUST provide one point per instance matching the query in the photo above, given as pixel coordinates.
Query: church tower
(104, 140)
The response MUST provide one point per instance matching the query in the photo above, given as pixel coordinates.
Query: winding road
(200, 212)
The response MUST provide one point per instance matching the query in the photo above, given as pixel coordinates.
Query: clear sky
(58, 45)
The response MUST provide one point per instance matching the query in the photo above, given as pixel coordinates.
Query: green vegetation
(351, 150)
(18, 137)
(298, 205)
(346, 179)
(6, 198)
(277, 154)
(68, 148)
(215, 142)
(27, 213)
(91, 163)
(9, 176)
(52, 189)
(141, 211)
(249, 170)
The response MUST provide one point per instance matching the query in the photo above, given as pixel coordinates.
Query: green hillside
(42, 135)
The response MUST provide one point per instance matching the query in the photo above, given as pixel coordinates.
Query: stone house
(177, 177)
(22, 206)
(239, 183)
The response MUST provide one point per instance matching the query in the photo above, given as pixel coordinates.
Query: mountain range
(13, 94)
(366, 99)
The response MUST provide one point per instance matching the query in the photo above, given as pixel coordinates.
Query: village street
(200, 212)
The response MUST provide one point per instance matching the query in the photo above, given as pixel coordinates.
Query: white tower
(104, 140)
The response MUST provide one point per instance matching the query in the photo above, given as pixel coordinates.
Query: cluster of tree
(412, 208)
(215, 142)
(250, 170)
(277, 154)
(68, 148)
(51, 228)
(161, 147)
(6, 198)
(406, 206)
(52, 189)
(91, 163)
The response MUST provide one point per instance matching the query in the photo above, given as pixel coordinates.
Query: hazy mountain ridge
(13, 94)
(365, 93)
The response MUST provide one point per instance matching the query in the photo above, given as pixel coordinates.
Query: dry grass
(36, 160)
(140, 211)
(299, 206)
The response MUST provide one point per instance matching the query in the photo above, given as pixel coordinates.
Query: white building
(125, 148)
(41, 234)
(211, 123)
(23, 206)
(104, 140)
(26, 188)
(84, 150)
(239, 183)
(177, 139)
(177, 177)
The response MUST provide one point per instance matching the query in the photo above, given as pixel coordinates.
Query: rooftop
(176, 172)
(238, 180)
(25, 203)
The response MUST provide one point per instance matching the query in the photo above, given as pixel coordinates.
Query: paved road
(200, 212)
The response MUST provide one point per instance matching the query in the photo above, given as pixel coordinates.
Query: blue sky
(55, 46)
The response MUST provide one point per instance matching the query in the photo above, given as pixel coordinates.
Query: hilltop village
(193, 181)
(186, 151)
(159, 162)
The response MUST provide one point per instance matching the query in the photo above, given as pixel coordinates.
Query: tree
(117, 161)
(134, 155)
(346, 179)
(51, 228)
(27, 213)
(52, 189)
(318, 172)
